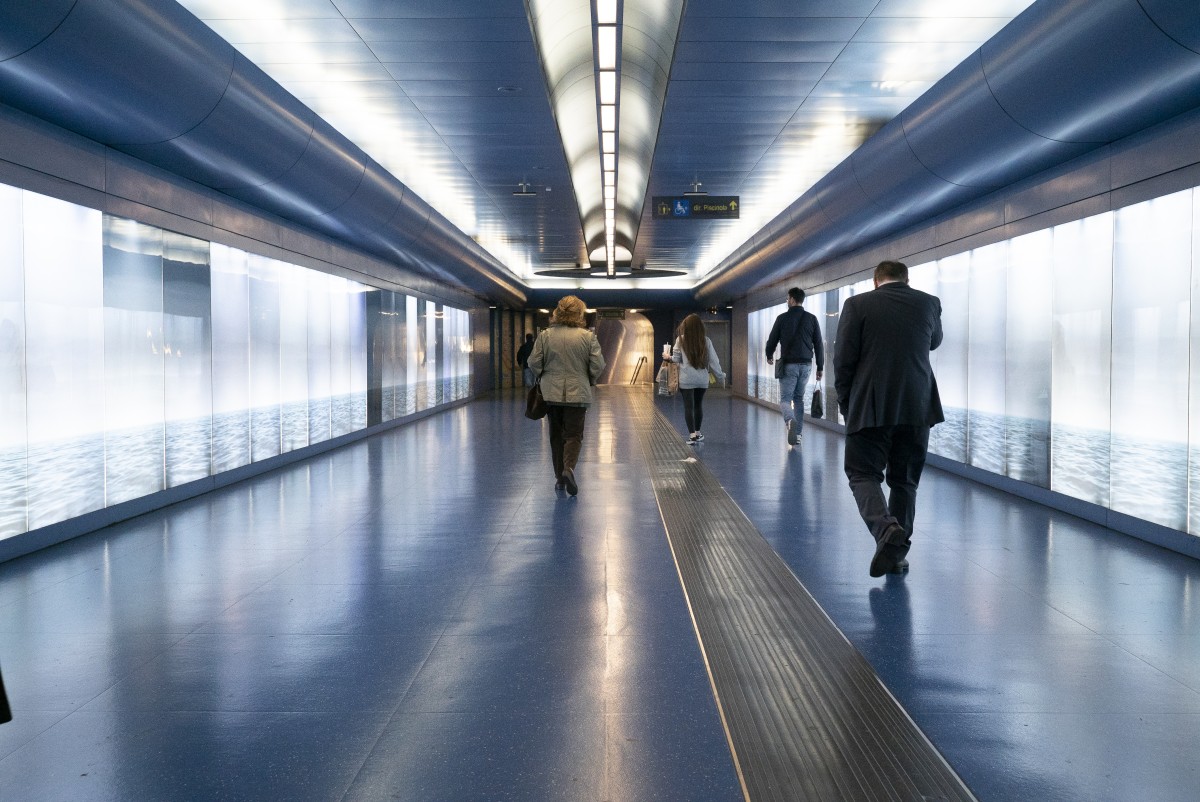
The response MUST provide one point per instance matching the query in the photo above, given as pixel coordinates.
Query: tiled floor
(420, 616)
(1047, 657)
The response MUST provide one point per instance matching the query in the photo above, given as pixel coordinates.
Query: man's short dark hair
(528, 337)
(891, 271)
(796, 294)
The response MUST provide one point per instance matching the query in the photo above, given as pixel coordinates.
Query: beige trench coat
(566, 361)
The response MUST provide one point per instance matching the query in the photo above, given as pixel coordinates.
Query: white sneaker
(694, 438)
(698, 436)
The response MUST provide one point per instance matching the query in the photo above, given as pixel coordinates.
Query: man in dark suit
(888, 395)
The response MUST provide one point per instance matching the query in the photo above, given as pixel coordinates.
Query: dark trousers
(5, 713)
(898, 450)
(566, 436)
(693, 407)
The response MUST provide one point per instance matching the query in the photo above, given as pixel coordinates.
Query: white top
(693, 378)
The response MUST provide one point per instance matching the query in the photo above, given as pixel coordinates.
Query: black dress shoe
(889, 552)
(559, 484)
(900, 567)
(569, 480)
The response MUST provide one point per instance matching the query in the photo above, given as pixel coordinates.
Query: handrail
(638, 369)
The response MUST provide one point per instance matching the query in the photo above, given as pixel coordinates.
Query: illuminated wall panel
(12, 365)
(265, 424)
(319, 378)
(187, 350)
(1081, 353)
(340, 368)
(1194, 394)
(1029, 325)
(1070, 358)
(356, 300)
(986, 337)
(133, 359)
(230, 279)
(950, 359)
(293, 356)
(64, 355)
(1151, 295)
(134, 370)
(389, 340)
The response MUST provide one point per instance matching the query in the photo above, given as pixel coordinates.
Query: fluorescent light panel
(606, 47)
(606, 12)
(608, 118)
(608, 87)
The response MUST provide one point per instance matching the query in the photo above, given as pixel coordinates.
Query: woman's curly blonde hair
(570, 312)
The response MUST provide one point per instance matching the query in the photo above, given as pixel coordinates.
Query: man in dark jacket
(799, 334)
(888, 395)
(523, 360)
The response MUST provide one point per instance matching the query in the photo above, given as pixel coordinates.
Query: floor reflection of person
(888, 395)
(566, 360)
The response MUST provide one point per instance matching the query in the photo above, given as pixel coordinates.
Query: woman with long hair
(696, 357)
(566, 360)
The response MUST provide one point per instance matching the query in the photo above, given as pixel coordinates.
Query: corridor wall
(1070, 358)
(134, 359)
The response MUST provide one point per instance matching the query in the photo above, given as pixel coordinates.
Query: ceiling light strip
(605, 14)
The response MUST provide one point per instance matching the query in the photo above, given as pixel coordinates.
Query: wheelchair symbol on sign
(682, 208)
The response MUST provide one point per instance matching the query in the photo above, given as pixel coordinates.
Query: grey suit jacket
(881, 360)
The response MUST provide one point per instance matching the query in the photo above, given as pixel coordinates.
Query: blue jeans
(791, 392)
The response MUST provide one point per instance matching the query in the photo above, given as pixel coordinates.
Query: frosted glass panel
(357, 300)
(265, 423)
(12, 365)
(319, 380)
(1027, 359)
(986, 342)
(230, 357)
(64, 313)
(187, 337)
(1151, 294)
(293, 356)
(134, 371)
(133, 359)
(1081, 346)
(1194, 396)
(949, 361)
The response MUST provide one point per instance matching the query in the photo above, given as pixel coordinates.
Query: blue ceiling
(403, 126)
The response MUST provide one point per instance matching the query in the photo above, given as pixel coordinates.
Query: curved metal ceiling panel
(39, 21)
(120, 72)
(147, 78)
(370, 209)
(217, 152)
(322, 180)
(1180, 22)
(1135, 73)
(947, 130)
(1068, 76)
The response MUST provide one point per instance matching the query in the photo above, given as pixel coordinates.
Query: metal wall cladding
(946, 130)
(218, 152)
(37, 20)
(1083, 71)
(147, 78)
(370, 210)
(322, 179)
(1060, 80)
(1177, 20)
(118, 74)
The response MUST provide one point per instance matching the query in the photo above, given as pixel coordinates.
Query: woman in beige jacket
(566, 360)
